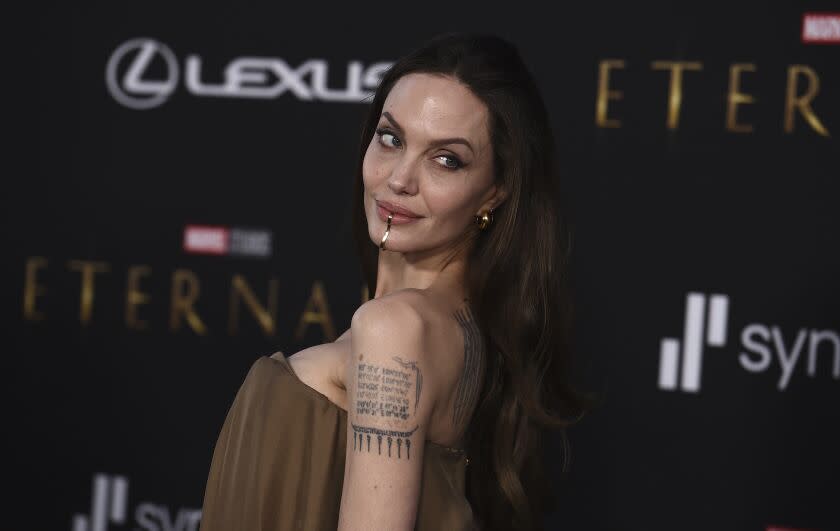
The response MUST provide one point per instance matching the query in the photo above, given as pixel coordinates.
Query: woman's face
(431, 154)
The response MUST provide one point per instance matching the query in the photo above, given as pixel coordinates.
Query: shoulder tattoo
(469, 385)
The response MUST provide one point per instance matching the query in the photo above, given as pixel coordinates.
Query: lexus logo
(134, 90)
(131, 84)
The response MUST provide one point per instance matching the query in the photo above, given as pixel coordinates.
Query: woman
(429, 412)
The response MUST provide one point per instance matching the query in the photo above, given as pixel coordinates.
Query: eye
(454, 164)
(382, 133)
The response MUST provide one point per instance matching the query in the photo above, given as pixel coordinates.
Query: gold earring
(485, 219)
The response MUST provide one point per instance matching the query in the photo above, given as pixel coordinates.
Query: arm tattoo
(397, 437)
(418, 377)
(383, 393)
(469, 384)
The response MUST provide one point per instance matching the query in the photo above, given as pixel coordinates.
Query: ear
(497, 196)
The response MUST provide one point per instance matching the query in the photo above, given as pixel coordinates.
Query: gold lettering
(31, 288)
(134, 297)
(735, 97)
(239, 289)
(803, 102)
(88, 270)
(675, 86)
(605, 94)
(182, 302)
(316, 312)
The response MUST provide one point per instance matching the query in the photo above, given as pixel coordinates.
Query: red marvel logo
(821, 28)
(203, 239)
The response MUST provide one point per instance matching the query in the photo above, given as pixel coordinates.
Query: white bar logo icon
(109, 503)
(672, 375)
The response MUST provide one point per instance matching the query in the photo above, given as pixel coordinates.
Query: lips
(397, 209)
(398, 215)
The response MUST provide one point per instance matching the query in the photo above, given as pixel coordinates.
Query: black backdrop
(705, 269)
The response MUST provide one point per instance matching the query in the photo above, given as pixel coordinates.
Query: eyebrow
(439, 142)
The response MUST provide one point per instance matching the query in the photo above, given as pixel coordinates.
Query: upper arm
(389, 404)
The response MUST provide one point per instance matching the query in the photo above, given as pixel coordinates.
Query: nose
(403, 178)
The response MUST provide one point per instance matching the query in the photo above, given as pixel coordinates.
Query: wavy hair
(515, 278)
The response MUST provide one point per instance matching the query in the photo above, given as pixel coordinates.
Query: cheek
(450, 205)
(373, 169)
(457, 198)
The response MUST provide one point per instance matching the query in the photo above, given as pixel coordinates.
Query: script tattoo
(469, 385)
(384, 392)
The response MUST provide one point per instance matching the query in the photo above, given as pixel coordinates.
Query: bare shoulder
(407, 324)
(412, 315)
(412, 304)
(409, 314)
(402, 310)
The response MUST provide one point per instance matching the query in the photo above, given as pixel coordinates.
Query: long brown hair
(515, 278)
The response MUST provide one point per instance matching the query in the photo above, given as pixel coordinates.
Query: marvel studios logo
(821, 28)
(227, 241)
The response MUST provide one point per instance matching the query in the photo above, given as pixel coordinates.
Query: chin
(377, 239)
(390, 244)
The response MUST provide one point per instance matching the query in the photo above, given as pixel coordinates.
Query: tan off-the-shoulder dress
(278, 464)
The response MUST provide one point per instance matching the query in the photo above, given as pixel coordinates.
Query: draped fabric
(278, 463)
